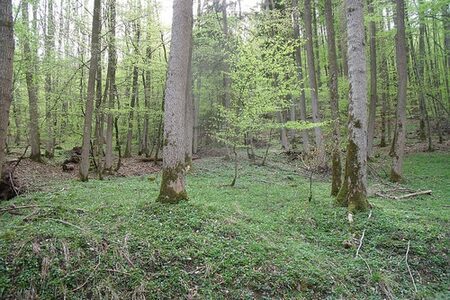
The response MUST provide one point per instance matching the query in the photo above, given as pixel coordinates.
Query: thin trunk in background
(373, 82)
(298, 62)
(30, 62)
(313, 81)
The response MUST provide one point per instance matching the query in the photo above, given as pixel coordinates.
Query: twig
(409, 269)
(65, 223)
(360, 243)
(89, 277)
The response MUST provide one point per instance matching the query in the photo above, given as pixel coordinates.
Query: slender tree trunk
(400, 128)
(344, 38)
(373, 82)
(283, 132)
(112, 61)
(189, 113)
(312, 80)
(173, 178)
(298, 62)
(195, 140)
(353, 193)
(33, 109)
(49, 54)
(134, 94)
(93, 67)
(6, 72)
(316, 44)
(334, 100)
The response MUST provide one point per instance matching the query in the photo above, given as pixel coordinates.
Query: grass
(262, 239)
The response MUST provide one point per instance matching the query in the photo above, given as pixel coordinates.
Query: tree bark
(93, 66)
(298, 62)
(6, 72)
(134, 93)
(173, 179)
(334, 100)
(402, 78)
(49, 54)
(112, 62)
(33, 109)
(373, 83)
(313, 80)
(189, 113)
(353, 193)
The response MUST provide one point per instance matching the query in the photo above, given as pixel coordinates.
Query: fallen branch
(65, 223)
(360, 243)
(409, 269)
(427, 192)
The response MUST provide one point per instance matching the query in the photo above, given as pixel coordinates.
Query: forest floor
(261, 239)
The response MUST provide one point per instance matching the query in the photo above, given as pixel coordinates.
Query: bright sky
(166, 8)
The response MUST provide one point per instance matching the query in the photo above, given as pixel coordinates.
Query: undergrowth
(261, 239)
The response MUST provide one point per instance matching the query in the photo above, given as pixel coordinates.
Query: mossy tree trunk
(373, 82)
(353, 193)
(6, 69)
(173, 178)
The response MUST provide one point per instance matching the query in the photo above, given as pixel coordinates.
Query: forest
(224, 149)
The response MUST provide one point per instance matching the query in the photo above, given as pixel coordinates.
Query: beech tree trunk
(49, 54)
(173, 179)
(299, 64)
(402, 77)
(112, 61)
(373, 83)
(93, 66)
(189, 113)
(353, 192)
(30, 62)
(334, 100)
(6, 72)
(134, 94)
(313, 80)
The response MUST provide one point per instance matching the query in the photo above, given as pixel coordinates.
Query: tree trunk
(6, 69)
(173, 179)
(402, 77)
(134, 94)
(312, 80)
(49, 54)
(33, 109)
(353, 193)
(112, 61)
(93, 66)
(334, 100)
(189, 113)
(373, 83)
(298, 62)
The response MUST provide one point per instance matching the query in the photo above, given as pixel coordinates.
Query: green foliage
(109, 239)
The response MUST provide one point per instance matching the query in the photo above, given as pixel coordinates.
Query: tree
(353, 192)
(6, 72)
(402, 80)
(334, 100)
(93, 67)
(49, 49)
(31, 66)
(173, 179)
(373, 82)
(299, 64)
(312, 79)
